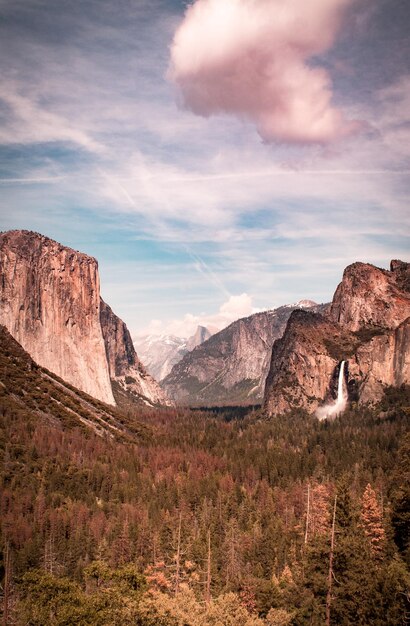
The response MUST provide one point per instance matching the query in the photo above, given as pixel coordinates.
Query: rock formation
(303, 362)
(384, 360)
(50, 303)
(368, 326)
(124, 366)
(370, 296)
(231, 366)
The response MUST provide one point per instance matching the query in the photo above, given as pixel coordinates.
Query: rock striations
(368, 326)
(231, 366)
(50, 303)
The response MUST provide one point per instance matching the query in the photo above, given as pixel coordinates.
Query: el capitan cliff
(50, 303)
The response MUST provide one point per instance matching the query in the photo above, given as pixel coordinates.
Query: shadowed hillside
(36, 394)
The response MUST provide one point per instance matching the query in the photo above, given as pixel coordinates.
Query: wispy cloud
(26, 181)
(30, 122)
(234, 308)
(94, 147)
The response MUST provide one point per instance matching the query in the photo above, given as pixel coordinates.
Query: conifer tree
(232, 555)
(371, 522)
(7, 583)
(401, 500)
(319, 506)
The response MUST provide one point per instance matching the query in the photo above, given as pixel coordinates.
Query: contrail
(204, 269)
(267, 173)
(200, 265)
(25, 181)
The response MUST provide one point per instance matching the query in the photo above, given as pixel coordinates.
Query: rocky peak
(368, 327)
(201, 334)
(370, 296)
(397, 265)
(401, 271)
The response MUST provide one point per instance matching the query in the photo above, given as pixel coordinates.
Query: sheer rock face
(123, 363)
(372, 296)
(303, 363)
(231, 366)
(201, 334)
(368, 326)
(385, 360)
(50, 303)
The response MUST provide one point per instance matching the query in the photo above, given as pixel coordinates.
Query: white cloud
(234, 308)
(251, 58)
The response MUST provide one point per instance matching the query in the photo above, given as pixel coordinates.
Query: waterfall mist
(332, 409)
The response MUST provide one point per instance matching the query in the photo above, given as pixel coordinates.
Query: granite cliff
(372, 297)
(50, 303)
(368, 326)
(231, 366)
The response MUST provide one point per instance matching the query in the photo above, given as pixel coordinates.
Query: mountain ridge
(26, 386)
(231, 366)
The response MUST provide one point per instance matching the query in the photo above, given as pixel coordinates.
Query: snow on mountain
(160, 353)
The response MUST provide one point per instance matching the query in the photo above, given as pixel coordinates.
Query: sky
(217, 157)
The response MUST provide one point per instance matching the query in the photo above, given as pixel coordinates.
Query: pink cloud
(250, 58)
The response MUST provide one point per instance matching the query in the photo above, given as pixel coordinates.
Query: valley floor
(201, 518)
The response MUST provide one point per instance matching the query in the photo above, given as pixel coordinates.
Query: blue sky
(200, 204)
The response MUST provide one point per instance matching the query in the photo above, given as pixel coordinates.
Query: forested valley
(205, 517)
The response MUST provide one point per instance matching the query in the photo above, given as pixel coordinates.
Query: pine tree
(344, 510)
(371, 522)
(319, 510)
(331, 574)
(7, 565)
(233, 564)
(400, 516)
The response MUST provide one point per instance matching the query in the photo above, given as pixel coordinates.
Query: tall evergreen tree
(400, 516)
(372, 522)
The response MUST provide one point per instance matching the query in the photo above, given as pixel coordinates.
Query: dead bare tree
(208, 571)
(330, 575)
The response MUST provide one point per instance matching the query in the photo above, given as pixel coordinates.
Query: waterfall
(341, 394)
(338, 406)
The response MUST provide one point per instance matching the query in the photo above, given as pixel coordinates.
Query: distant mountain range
(160, 353)
(231, 366)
